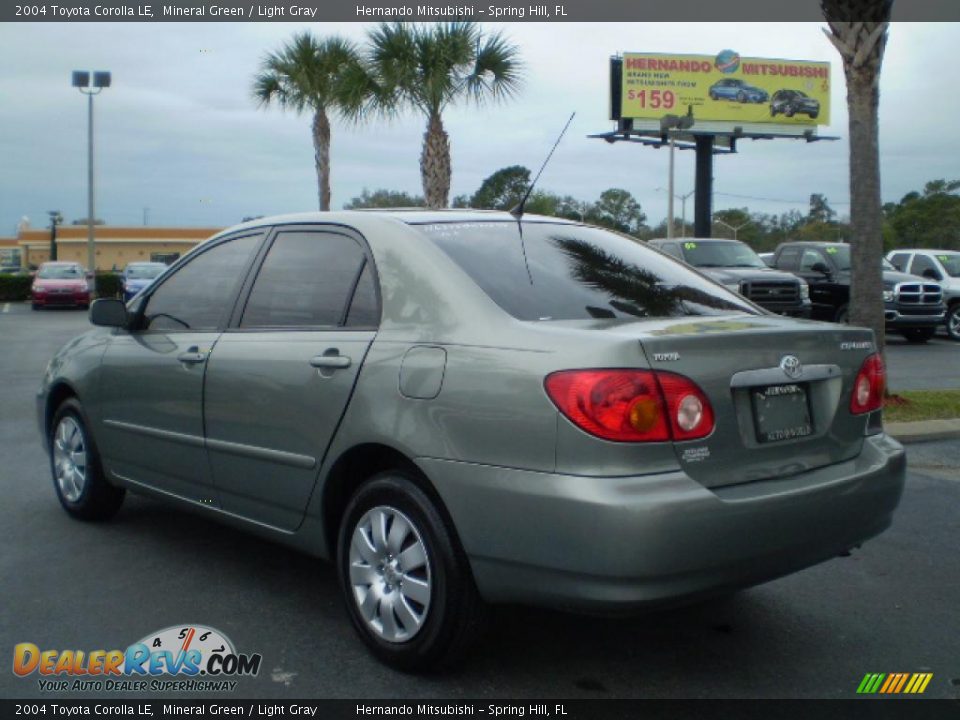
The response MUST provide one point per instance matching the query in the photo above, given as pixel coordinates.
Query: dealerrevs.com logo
(180, 658)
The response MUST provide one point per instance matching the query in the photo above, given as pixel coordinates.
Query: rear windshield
(568, 272)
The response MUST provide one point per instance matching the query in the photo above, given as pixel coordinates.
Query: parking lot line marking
(6, 307)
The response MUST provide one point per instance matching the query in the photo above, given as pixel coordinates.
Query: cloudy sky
(180, 139)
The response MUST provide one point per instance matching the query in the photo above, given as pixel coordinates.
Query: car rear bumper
(614, 544)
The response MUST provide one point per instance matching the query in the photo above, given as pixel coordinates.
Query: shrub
(108, 284)
(15, 288)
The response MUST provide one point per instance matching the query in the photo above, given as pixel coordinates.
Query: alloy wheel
(70, 459)
(390, 574)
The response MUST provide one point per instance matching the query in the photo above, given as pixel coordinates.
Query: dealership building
(115, 245)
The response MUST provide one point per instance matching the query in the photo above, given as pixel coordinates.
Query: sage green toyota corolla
(458, 407)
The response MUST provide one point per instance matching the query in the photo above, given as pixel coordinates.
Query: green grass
(922, 405)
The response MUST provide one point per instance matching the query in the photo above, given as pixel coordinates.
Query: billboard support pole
(703, 199)
(670, 195)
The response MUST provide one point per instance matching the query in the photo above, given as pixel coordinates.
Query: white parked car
(942, 266)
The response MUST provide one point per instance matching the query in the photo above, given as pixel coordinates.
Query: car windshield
(552, 271)
(950, 262)
(143, 272)
(720, 254)
(60, 272)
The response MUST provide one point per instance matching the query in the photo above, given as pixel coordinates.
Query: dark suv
(737, 267)
(794, 102)
(913, 306)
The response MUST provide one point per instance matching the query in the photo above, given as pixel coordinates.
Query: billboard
(726, 88)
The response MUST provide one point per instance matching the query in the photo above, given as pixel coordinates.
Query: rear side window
(564, 272)
(789, 259)
(899, 261)
(922, 264)
(364, 308)
(305, 281)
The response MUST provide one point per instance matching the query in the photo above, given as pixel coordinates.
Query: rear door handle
(192, 356)
(337, 362)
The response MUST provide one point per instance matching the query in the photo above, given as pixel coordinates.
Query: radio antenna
(517, 211)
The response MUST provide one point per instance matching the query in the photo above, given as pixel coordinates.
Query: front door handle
(192, 356)
(336, 362)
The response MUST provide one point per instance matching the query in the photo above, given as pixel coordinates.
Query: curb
(924, 430)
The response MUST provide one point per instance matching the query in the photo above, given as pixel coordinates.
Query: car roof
(693, 239)
(66, 263)
(924, 251)
(406, 216)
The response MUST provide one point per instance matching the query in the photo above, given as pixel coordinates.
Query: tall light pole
(81, 81)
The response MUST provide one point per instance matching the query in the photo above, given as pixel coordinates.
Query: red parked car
(60, 283)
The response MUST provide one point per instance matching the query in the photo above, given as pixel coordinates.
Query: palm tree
(428, 68)
(858, 29)
(309, 74)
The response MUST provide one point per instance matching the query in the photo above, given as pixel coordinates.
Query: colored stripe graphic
(894, 683)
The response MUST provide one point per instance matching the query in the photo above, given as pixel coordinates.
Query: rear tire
(918, 335)
(78, 478)
(34, 306)
(952, 322)
(741, 97)
(414, 613)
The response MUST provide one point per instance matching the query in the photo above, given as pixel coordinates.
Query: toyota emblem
(791, 366)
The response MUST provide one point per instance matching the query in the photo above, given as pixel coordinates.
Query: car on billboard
(734, 89)
(794, 102)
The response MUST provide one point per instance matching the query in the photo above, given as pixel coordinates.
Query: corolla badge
(791, 366)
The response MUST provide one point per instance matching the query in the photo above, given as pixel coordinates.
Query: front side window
(566, 272)
(922, 264)
(198, 295)
(306, 280)
(811, 258)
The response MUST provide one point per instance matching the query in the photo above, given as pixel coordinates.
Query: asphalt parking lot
(889, 607)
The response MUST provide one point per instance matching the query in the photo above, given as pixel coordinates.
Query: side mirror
(820, 268)
(932, 274)
(109, 312)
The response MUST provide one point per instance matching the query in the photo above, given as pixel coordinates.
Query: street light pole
(55, 219)
(683, 212)
(81, 81)
(735, 229)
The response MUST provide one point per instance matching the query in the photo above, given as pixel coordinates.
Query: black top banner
(434, 10)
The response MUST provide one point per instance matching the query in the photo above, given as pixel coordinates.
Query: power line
(780, 200)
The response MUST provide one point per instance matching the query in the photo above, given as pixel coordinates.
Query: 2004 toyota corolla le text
(459, 407)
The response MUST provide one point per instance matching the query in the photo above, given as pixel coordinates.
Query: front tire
(952, 321)
(78, 479)
(406, 582)
(918, 335)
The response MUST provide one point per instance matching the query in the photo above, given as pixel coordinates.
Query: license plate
(781, 412)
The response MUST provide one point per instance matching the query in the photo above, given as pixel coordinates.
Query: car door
(152, 377)
(823, 289)
(281, 376)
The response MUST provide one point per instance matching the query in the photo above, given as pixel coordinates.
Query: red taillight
(632, 405)
(869, 386)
